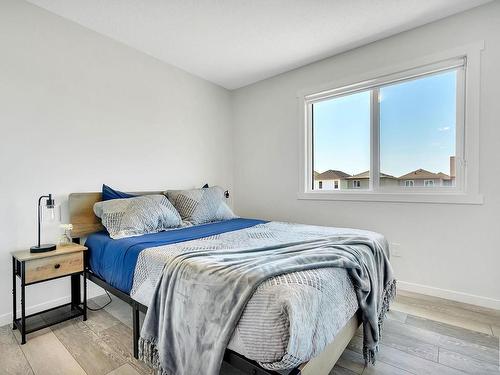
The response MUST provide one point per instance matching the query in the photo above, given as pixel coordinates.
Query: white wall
(77, 110)
(448, 250)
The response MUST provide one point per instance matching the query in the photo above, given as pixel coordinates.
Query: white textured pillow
(136, 216)
(198, 206)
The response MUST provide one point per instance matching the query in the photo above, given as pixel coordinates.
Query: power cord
(102, 307)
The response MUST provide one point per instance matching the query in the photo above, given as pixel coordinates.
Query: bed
(262, 343)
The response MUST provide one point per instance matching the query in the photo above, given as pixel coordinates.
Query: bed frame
(85, 222)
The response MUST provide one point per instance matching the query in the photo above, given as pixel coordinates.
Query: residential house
(362, 181)
(424, 178)
(329, 180)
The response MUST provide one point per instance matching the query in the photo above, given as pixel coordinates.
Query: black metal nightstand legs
(14, 297)
(23, 302)
(84, 295)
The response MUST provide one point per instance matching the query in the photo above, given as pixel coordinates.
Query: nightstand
(34, 268)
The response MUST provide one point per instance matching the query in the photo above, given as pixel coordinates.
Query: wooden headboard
(81, 212)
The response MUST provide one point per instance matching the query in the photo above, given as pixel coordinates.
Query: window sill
(366, 196)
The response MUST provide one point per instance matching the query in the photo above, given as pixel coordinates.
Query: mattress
(275, 329)
(290, 318)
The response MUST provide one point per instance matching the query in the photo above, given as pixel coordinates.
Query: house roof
(331, 175)
(366, 175)
(419, 174)
(444, 176)
(422, 174)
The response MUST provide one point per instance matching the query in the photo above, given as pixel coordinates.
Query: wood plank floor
(422, 335)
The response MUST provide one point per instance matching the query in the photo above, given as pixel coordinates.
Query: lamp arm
(43, 196)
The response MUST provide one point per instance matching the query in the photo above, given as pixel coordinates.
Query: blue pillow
(109, 193)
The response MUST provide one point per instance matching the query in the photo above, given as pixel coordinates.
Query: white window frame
(466, 190)
(356, 184)
(409, 183)
(336, 184)
(429, 183)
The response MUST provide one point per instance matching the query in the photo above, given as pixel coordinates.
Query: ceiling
(234, 43)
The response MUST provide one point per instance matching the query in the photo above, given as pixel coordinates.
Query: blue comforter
(114, 260)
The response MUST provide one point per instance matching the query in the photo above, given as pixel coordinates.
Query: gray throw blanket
(200, 297)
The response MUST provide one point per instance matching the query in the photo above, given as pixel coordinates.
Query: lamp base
(42, 248)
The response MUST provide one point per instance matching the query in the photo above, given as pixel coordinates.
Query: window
(391, 136)
(341, 132)
(417, 124)
(415, 120)
(336, 184)
(320, 185)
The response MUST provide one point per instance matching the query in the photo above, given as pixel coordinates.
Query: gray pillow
(198, 206)
(136, 216)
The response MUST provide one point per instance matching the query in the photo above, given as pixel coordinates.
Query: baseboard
(471, 299)
(403, 285)
(7, 318)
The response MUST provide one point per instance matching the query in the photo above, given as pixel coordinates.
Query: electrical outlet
(396, 249)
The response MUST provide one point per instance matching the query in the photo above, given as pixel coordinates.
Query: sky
(417, 128)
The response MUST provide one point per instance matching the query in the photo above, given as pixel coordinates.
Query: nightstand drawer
(55, 266)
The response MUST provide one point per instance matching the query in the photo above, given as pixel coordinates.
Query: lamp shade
(47, 211)
(50, 213)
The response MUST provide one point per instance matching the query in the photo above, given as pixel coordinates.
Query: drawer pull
(56, 266)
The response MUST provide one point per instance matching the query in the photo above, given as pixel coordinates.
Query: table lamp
(49, 205)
